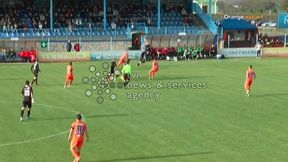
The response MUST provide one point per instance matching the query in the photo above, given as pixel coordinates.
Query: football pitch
(192, 111)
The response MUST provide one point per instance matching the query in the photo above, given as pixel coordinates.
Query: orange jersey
(124, 56)
(123, 59)
(250, 74)
(69, 70)
(155, 65)
(79, 127)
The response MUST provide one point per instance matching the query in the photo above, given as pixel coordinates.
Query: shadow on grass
(269, 95)
(155, 157)
(87, 117)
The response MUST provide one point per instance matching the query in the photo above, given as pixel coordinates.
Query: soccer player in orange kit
(76, 137)
(123, 59)
(69, 76)
(250, 77)
(154, 70)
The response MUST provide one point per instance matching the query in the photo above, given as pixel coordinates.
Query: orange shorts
(155, 70)
(77, 142)
(69, 77)
(248, 84)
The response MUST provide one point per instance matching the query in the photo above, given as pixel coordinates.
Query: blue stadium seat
(175, 31)
(166, 23)
(155, 32)
(123, 33)
(101, 33)
(107, 32)
(53, 34)
(63, 33)
(58, 34)
(16, 34)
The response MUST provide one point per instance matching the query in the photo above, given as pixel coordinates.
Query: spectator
(68, 16)
(21, 53)
(78, 22)
(56, 26)
(70, 26)
(24, 55)
(33, 55)
(2, 21)
(113, 25)
(186, 20)
(90, 26)
(11, 54)
(101, 13)
(25, 27)
(68, 46)
(77, 47)
(42, 17)
(4, 54)
(115, 12)
(46, 26)
(35, 24)
(40, 26)
(183, 12)
(5, 30)
(15, 27)
(148, 21)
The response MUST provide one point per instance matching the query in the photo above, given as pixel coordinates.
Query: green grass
(216, 124)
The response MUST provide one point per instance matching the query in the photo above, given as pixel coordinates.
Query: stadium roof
(237, 24)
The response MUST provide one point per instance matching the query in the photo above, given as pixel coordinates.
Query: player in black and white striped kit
(35, 69)
(28, 99)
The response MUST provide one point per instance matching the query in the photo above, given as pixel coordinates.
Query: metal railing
(66, 33)
(206, 19)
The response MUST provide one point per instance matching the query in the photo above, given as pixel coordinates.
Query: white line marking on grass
(33, 140)
(40, 138)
